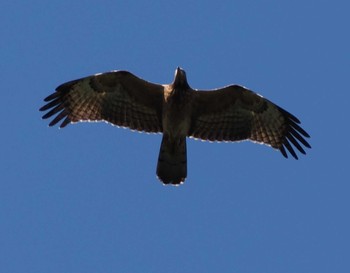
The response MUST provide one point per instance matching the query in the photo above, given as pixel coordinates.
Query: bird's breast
(176, 117)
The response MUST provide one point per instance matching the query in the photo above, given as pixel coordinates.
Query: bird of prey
(231, 113)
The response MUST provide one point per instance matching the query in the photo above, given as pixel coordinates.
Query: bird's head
(180, 79)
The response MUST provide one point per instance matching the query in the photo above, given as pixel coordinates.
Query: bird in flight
(232, 113)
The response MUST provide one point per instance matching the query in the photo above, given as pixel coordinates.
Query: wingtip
(51, 97)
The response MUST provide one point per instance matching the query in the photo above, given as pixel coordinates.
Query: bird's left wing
(235, 113)
(118, 97)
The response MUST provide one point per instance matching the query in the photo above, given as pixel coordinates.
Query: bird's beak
(177, 71)
(180, 77)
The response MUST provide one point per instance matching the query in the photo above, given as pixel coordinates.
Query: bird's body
(176, 119)
(176, 114)
(232, 113)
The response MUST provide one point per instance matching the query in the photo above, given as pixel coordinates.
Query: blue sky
(86, 198)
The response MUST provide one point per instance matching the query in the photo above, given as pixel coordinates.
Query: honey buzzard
(231, 113)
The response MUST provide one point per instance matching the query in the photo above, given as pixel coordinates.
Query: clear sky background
(86, 198)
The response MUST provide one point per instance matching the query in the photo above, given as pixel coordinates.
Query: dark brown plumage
(232, 113)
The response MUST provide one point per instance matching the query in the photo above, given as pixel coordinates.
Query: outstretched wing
(235, 113)
(117, 97)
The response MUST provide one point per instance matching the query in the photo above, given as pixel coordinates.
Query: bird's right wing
(118, 97)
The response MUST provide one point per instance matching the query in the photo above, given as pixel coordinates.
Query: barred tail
(172, 161)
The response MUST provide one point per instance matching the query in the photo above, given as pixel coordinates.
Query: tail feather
(172, 161)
